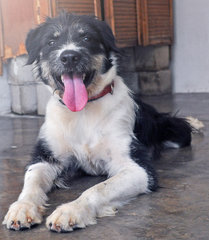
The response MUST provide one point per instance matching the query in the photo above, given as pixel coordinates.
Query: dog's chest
(87, 137)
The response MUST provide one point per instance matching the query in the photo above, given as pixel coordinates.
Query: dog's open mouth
(75, 95)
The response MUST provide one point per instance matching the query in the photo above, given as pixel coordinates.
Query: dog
(93, 124)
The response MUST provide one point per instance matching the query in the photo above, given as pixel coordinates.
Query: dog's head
(71, 53)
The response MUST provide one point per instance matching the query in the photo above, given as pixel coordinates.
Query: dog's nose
(70, 58)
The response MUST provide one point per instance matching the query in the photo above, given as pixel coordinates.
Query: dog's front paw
(22, 215)
(70, 216)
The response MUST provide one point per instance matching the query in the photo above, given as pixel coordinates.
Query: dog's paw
(70, 216)
(22, 215)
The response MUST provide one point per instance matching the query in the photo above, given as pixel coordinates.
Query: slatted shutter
(42, 9)
(122, 17)
(14, 25)
(16, 18)
(134, 22)
(1, 42)
(140, 22)
(84, 7)
(157, 26)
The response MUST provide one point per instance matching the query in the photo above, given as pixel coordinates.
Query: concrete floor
(178, 210)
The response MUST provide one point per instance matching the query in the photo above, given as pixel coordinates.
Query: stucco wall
(5, 98)
(190, 55)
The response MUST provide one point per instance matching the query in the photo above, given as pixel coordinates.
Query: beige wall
(190, 58)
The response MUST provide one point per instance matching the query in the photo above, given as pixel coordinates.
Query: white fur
(29, 207)
(56, 34)
(25, 212)
(195, 123)
(169, 144)
(70, 46)
(90, 134)
(100, 200)
(99, 136)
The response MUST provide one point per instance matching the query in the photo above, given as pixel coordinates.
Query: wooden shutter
(140, 22)
(1, 42)
(157, 25)
(84, 7)
(17, 17)
(42, 9)
(133, 22)
(122, 17)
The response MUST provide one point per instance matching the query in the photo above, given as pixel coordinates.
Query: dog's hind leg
(161, 129)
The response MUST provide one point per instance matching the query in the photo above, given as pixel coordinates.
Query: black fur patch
(107, 64)
(142, 155)
(91, 36)
(72, 171)
(42, 153)
(153, 128)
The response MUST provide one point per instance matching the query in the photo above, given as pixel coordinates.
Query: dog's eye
(86, 39)
(51, 43)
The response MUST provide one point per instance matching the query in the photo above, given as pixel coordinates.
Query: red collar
(105, 91)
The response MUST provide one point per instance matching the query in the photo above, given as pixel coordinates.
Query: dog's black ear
(108, 38)
(33, 45)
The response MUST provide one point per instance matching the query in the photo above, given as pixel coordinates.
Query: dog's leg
(102, 199)
(29, 207)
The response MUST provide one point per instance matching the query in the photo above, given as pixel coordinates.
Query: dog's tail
(196, 124)
(175, 132)
(161, 129)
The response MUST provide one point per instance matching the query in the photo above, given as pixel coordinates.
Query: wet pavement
(178, 210)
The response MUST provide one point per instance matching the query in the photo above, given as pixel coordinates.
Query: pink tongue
(75, 95)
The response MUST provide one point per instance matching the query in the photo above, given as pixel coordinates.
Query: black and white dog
(92, 124)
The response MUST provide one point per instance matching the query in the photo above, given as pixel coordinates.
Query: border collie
(93, 124)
